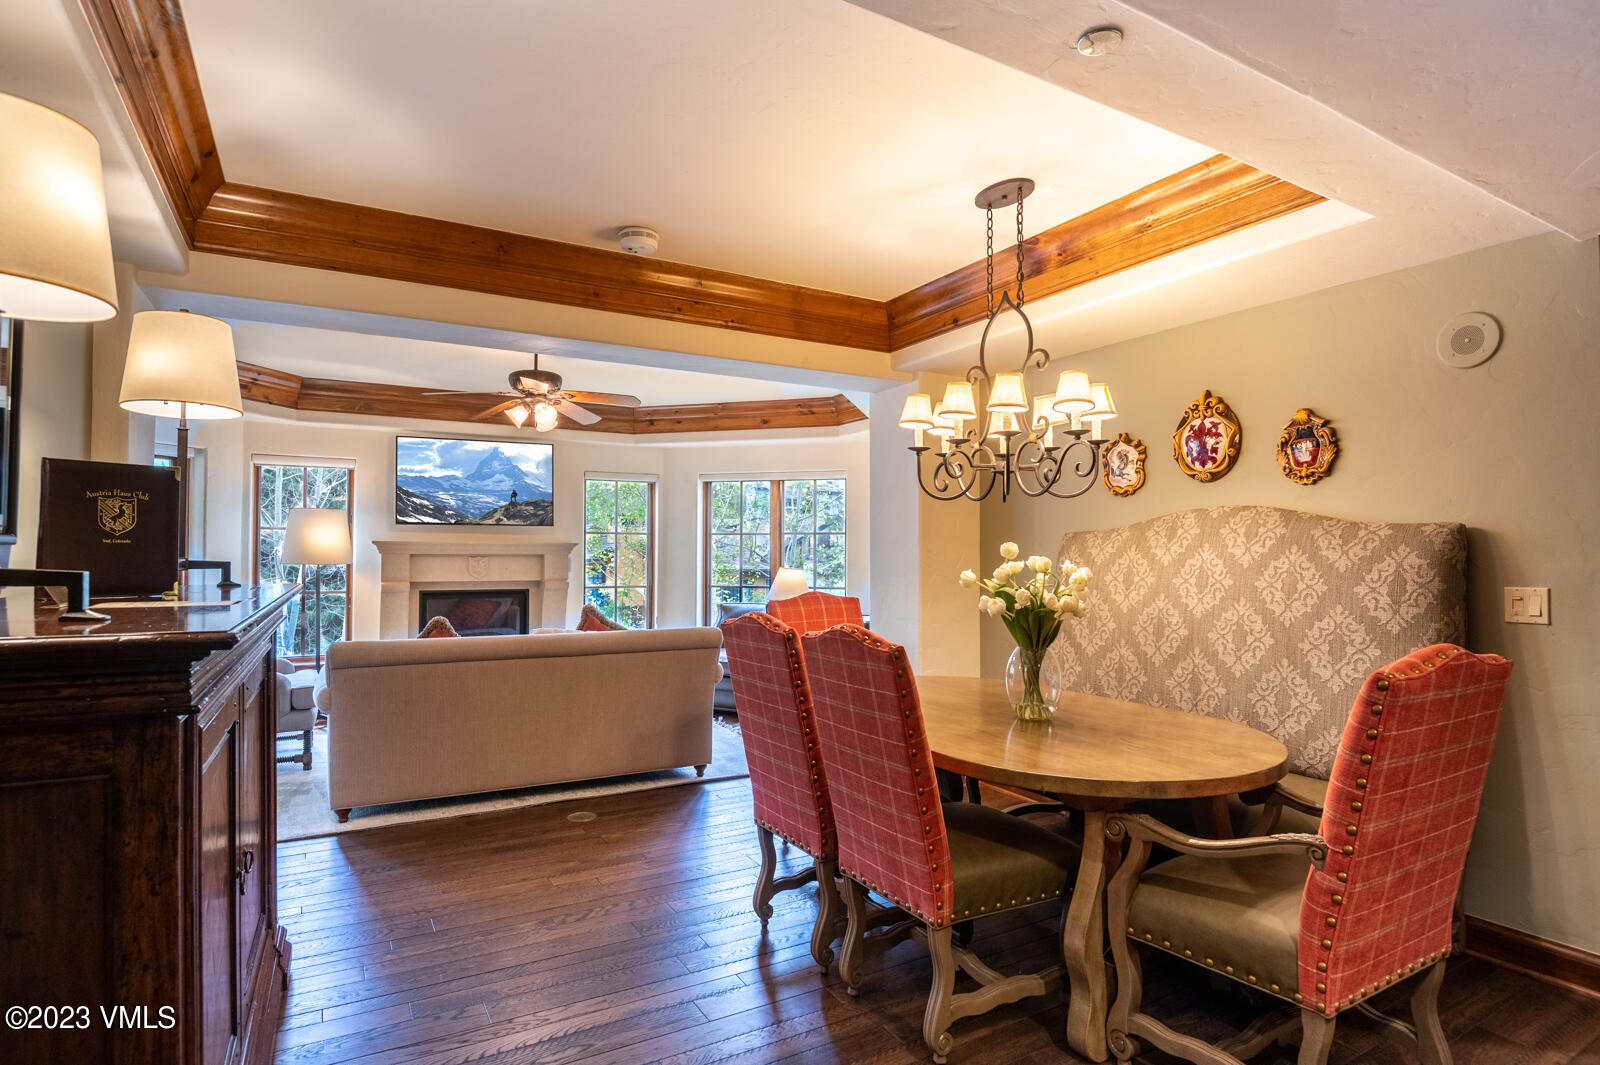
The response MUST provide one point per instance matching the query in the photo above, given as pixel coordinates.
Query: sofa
(425, 719)
(1262, 615)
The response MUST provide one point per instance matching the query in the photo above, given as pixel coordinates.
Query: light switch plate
(1528, 606)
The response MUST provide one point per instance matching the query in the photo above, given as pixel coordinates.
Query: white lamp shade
(958, 400)
(917, 412)
(787, 583)
(1103, 407)
(942, 426)
(1007, 394)
(1044, 410)
(316, 536)
(1072, 393)
(544, 417)
(55, 241)
(181, 364)
(517, 414)
(1003, 423)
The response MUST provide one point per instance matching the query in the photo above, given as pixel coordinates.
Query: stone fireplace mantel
(541, 566)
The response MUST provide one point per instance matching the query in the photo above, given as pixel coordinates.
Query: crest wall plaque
(1123, 470)
(1307, 447)
(1207, 439)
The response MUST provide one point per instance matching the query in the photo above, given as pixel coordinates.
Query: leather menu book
(117, 520)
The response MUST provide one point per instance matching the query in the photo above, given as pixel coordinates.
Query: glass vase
(1032, 696)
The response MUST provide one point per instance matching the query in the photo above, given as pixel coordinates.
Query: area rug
(303, 811)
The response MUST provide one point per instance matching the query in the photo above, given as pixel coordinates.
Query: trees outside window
(280, 489)
(619, 519)
(754, 525)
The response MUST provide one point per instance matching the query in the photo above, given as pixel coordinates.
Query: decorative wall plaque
(1307, 448)
(1207, 439)
(1123, 467)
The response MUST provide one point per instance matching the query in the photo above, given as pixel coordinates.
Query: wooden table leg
(1083, 944)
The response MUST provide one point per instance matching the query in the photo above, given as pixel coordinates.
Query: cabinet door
(255, 746)
(219, 892)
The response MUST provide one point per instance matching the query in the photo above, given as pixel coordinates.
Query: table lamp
(787, 583)
(55, 240)
(182, 366)
(317, 537)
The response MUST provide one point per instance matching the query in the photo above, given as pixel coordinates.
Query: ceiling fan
(538, 394)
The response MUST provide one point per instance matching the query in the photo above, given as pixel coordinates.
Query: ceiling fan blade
(468, 392)
(604, 399)
(497, 409)
(577, 413)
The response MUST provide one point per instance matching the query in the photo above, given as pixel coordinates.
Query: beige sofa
(424, 719)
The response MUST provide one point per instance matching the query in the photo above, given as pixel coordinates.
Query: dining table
(1095, 755)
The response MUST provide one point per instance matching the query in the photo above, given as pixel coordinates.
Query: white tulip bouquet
(1032, 597)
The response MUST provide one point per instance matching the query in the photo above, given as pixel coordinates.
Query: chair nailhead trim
(1350, 830)
(1322, 966)
(1347, 850)
(1343, 877)
(1333, 922)
(1338, 900)
(1377, 709)
(1366, 759)
(1372, 733)
(1361, 782)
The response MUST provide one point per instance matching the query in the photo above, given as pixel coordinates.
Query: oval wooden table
(1096, 755)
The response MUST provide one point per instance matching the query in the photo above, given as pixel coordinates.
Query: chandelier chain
(989, 288)
(1019, 253)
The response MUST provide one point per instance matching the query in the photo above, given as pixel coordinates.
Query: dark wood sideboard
(138, 822)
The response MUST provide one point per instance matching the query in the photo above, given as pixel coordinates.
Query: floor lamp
(182, 366)
(317, 537)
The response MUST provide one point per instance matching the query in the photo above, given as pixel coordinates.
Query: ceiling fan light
(544, 417)
(518, 415)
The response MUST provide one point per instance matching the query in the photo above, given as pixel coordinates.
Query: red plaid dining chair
(1327, 921)
(787, 779)
(815, 611)
(941, 864)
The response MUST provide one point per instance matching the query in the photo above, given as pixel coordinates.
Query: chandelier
(1035, 445)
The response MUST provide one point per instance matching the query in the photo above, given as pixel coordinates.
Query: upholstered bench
(1261, 615)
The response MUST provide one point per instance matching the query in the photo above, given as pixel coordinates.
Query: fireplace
(476, 611)
(473, 565)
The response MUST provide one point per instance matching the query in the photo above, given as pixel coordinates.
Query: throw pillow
(436, 628)
(729, 611)
(591, 620)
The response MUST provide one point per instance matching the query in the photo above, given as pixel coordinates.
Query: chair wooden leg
(1130, 974)
(855, 935)
(305, 751)
(827, 912)
(936, 1018)
(762, 902)
(1317, 1038)
(1432, 1048)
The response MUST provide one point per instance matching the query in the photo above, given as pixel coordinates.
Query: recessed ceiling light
(1102, 40)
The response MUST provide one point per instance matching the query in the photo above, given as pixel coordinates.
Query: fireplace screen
(477, 611)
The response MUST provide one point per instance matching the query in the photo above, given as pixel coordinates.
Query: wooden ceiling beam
(1205, 201)
(332, 396)
(146, 46)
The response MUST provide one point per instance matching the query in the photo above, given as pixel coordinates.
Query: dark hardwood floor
(523, 937)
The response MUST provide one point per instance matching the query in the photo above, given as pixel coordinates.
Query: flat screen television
(441, 481)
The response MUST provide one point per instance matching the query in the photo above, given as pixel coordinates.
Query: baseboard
(1542, 959)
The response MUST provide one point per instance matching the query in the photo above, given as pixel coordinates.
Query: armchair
(815, 611)
(295, 711)
(1327, 921)
(942, 865)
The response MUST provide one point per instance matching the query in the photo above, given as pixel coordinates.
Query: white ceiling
(807, 141)
(350, 356)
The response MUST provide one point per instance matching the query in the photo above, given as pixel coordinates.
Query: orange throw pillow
(591, 620)
(437, 627)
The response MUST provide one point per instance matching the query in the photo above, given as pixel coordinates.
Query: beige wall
(53, 417)
(230, 448)
(1505, 448)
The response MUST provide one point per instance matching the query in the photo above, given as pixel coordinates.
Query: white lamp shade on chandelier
(316, 536)
(917, 413)
(958, 401)
(1103, 408)
(786, 584)
(181, 365)
(1073, 394)
(1008, 396)
(55, 240)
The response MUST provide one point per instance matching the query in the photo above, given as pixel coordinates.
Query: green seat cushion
(1239, 916)
(1000, 862)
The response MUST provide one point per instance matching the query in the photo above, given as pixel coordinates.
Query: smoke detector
(638, 240)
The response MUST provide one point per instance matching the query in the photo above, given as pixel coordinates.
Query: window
(749, 523)
(619, 520)
(280, 489)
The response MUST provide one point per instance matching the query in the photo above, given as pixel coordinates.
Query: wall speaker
(1469, 340)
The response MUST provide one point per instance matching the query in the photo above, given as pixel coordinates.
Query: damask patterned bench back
(1262, 615)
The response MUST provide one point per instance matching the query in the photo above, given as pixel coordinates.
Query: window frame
(652, 540)
(304, 465)
(775, 532)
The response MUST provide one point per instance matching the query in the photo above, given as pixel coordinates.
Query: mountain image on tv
(472, 482)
